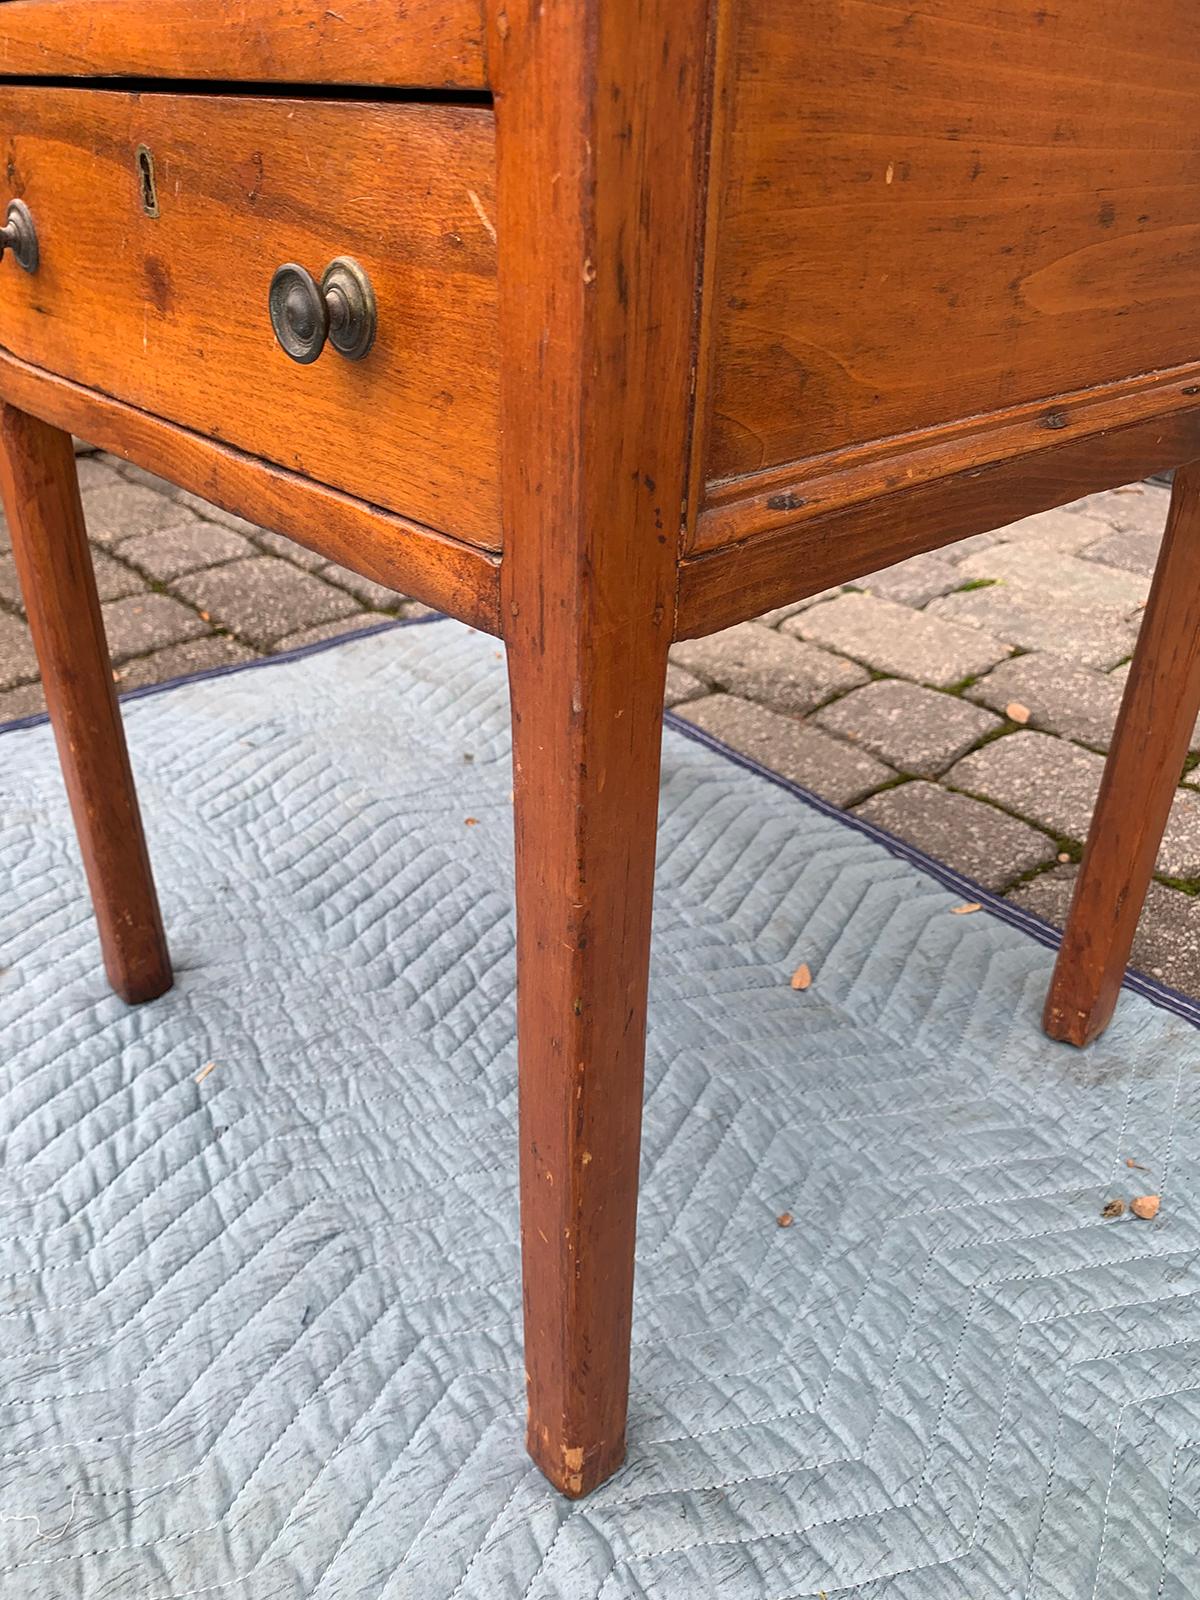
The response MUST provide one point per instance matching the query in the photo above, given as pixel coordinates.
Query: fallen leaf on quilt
(1114, 1208)
(802, 977)
(966, 910)
(1145, 1206)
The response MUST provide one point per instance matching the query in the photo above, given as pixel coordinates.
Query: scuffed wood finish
(1150, 744)
(799, 558)
(929, 213)
(600, 124)
(432, 42)
(169, 312)
(54, 565)
(457, 578)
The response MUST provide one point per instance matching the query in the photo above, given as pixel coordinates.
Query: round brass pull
(20, 236)
(341, 310)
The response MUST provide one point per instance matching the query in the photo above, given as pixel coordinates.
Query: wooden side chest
(597, 326)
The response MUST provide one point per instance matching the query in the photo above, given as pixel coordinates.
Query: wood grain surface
(169, 311)
(54, 565)
(432, 42)
(928, 213)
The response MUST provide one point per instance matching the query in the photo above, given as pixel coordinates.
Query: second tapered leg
(1149, 746)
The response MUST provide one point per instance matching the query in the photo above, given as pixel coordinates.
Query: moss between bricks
(1188, 886)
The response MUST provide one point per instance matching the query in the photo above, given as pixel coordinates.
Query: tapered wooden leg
(587, 767)
(1149, 746)
(41, 498)
(601, 125)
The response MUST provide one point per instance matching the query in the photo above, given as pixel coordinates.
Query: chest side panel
(943, 210)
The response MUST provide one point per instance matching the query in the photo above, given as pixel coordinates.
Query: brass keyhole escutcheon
(340, 310)
(147, 187)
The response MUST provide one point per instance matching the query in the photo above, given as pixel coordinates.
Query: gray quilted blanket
(259, 1308)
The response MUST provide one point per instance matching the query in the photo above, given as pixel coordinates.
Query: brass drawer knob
(20, 236)
(341, 309)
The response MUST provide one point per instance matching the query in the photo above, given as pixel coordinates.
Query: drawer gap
(377, 94)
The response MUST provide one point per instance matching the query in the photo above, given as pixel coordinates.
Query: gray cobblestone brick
(1167, 943)
(10, 589)
(26, 701)
(771, 667)
(895, 640)
(913, 582)
(1126, 548)
(1060, 697)
(113, 581)
(912, 728)
(123, 510)
(962, 548)
(145, 622)
(278, 544)
(149, 480)
(682, 685)
(264, 600)
(354, 623)
(1060, 579)
(1064, 531)
(172, 552)
(1032, 622)
(180, 660)
(794, 749)
(95, 472)
(978, 840)
(1054, 784)
(211, 513)
(772, 619)
(1137, 505)
(363, 589)
(18, 664)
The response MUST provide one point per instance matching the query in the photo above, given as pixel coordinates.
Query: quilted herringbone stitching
(262, 1332)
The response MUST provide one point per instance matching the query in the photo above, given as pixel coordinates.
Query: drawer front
(161, 220)
(429, 42)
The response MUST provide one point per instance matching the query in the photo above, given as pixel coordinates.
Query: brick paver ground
(961, 699)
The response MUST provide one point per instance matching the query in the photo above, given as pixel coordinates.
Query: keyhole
(145, 165)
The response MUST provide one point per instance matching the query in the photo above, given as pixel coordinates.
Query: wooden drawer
(428, 42)
(160, 298)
